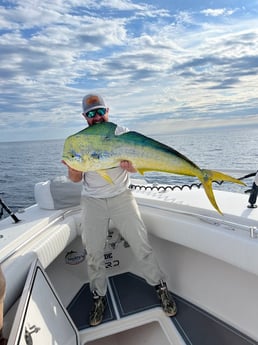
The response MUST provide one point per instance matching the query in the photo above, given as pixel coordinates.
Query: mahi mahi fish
(98, 147)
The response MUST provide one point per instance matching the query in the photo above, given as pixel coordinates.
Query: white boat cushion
(57, 193)
(46, 249)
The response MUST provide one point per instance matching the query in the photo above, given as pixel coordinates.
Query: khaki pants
(124, 212)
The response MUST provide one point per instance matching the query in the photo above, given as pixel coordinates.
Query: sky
(162, 66)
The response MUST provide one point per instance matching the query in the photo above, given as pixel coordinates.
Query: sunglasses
(92, 113)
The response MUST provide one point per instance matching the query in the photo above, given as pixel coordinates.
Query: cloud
(147, 60)
(218, 12)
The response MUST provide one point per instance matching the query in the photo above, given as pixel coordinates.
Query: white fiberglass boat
(211, 262)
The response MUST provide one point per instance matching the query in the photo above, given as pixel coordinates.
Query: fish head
(75, 154)
(91, 149)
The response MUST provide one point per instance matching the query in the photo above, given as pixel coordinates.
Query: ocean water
(23, 164)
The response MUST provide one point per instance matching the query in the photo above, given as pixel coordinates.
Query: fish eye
(76, 156)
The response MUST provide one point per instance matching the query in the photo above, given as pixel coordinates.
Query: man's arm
(74, 175)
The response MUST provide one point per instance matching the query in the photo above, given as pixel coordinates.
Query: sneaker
(97, 312)
(167, 302)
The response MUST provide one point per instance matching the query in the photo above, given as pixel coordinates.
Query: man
(102, 201)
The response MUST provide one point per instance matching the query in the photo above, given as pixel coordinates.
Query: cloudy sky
(161, 65)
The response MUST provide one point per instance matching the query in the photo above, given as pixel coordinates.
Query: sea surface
(23, 164)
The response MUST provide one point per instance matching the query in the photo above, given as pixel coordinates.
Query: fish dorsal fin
(105, 176)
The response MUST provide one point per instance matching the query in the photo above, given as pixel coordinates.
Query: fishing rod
(10, 212)
(248, 175)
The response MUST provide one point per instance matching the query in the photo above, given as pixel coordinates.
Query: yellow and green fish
(97, 148)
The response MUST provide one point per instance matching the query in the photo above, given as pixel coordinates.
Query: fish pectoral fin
(105, 176)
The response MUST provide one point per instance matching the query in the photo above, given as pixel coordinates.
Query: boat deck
(129, 294)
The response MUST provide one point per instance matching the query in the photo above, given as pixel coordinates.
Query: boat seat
(54, 243)
(46, 248)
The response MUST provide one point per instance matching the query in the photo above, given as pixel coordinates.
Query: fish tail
(208, 176)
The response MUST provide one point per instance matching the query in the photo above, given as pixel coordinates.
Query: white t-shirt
(96, 186)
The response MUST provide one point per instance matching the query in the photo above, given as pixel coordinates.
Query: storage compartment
(149, 334)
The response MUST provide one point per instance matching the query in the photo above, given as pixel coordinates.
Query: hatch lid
(41, 318)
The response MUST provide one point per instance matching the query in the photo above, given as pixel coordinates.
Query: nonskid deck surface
(129, 294)
(122, 299)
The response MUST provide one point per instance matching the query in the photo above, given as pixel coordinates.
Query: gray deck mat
(132, 295)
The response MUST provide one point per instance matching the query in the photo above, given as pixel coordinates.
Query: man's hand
(128, 166)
